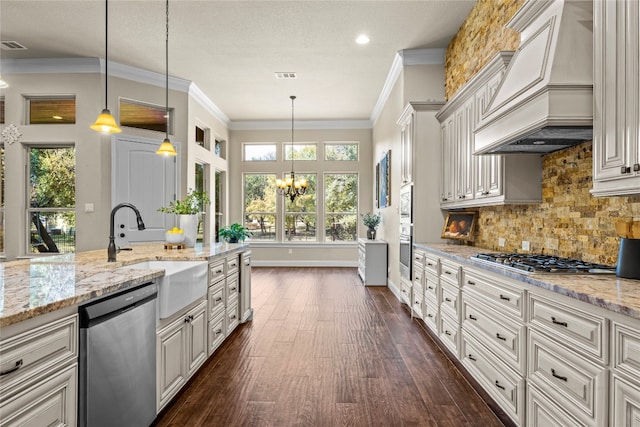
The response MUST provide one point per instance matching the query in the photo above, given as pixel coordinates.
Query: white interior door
(147, 181)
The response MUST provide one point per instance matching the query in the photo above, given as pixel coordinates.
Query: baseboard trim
(303, 263)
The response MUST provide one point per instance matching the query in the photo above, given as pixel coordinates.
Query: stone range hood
(545, 100)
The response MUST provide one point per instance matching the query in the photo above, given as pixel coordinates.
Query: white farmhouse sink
(183, 283)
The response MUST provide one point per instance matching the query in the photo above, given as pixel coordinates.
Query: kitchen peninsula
(41, 357)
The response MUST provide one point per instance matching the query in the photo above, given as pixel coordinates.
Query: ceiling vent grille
(11, 45)
(286, 76)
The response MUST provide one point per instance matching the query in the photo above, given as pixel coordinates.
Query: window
(202, 137)
(341, 151)
(300, 152)
(341, 207)
(219, 205)
(300, 215)
(1, 109)
(220, 148)
(259, 152)
(201, 173)
(260, 205)
(51, 194)
(51, 110)
(145, 116)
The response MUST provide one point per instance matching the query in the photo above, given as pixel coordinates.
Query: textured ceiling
(231, 49)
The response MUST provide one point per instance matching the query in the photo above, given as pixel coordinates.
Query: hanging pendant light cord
(106, 54)
(166, 81)
(292, 151)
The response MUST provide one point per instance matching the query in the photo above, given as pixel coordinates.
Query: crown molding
(199, 96)
(402, 58)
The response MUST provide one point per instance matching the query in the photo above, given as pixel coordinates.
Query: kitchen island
(41, 334)
(542, 349)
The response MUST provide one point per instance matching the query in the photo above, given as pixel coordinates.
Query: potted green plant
(187, 210)
(372, 221)
(234, 233)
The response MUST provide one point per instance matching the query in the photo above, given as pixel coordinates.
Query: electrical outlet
(88, 207)
(290, 251)
(501, 242)
(526, 246)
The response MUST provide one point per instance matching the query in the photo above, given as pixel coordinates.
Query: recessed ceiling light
(362, 39)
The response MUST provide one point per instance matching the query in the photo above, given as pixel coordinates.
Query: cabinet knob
(625, 170)
(636, 167)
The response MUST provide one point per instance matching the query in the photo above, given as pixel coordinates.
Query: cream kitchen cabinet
(182, 349)
(246, 312)
(372, 262)
(616, 89)
(625, 374)
(468, 180)
(39, 371)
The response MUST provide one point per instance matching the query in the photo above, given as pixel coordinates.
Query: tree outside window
(341, 207)
(260, 205)
(51, 195)
(300, 215)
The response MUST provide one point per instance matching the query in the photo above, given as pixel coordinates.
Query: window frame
(246, 144)
(327, 214)
(325, 144)
(245, 214)
(287, 145)
(29, 98)
(286, 212)
(29, 210)
(169, 124)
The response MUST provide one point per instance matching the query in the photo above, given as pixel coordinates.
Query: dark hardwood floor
(323, 350)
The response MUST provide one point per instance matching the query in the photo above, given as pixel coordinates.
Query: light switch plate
(502, 242)
(88, 207)
(526, 246)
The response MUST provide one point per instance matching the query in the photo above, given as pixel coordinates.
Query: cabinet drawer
(405, 288)
(431, 263)
(449, 333)
(542, 412)
(216, 300)
(501, 334)
(418, 258)
(50, 401)
(571, 380)
(216, 271)
(450, 272)
(232, 288)
(450, 300)
(431, 288)
(30, 353)
(418, 274)
(233, 263)
(503, 384)
(585, 331)
(417, 302)
(626, 351)
(500, 295)
(216, 332)
(233, 318)
(430, 316)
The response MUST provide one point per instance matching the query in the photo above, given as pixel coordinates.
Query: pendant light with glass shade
(105, 122)
(166, 148)
(292, 187)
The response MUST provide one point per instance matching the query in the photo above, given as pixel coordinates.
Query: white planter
(189, 223)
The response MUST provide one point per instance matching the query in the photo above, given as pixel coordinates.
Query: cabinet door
(448, 161)
(245, 288)
(625, 402)
(616, 130)
(196, 325)
(465, 159)
(49, 401)
(171, 361)
(406, 150)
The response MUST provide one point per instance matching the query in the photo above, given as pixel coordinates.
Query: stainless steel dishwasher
(117, 378)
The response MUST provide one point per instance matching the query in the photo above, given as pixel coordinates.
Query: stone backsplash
(569, 222)
(480, 37)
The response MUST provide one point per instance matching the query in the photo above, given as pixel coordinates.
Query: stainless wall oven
(406, 249)
(406, 204)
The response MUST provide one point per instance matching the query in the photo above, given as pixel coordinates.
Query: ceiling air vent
(286, 76)
(11, 45)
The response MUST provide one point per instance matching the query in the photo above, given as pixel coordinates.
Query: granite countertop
(603, 290)
(30, 288)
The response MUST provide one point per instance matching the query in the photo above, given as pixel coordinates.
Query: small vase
(371, 233)
(189, 223)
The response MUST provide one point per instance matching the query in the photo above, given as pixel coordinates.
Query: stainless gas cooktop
(547, 264)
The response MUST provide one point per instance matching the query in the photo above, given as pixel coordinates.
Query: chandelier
(291, 187)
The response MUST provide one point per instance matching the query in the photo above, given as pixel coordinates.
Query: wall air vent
(11, 45)
(285, 76)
